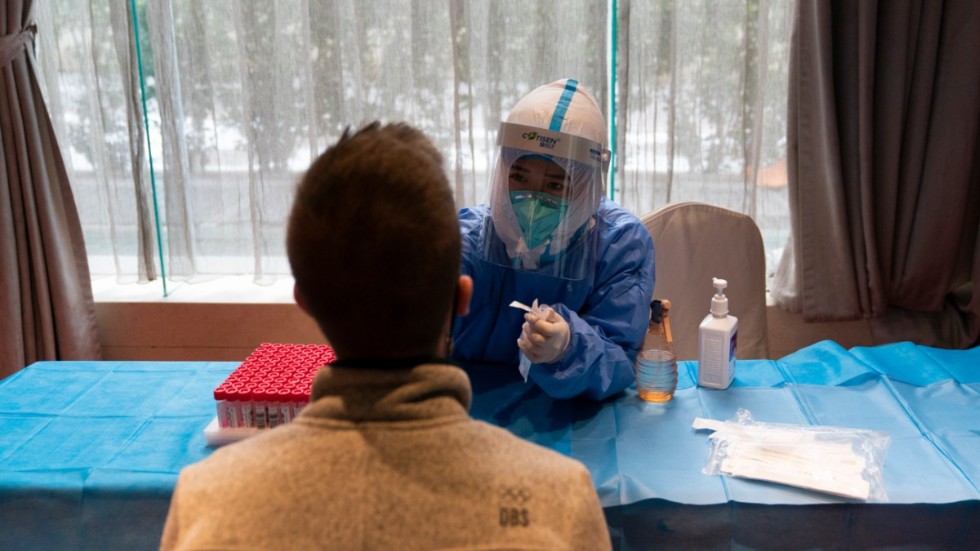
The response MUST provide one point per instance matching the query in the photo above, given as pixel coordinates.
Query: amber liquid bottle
(656, 365)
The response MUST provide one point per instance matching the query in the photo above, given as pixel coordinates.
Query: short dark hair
(374, 244)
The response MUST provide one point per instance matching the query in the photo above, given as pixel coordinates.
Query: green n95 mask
(538, 214)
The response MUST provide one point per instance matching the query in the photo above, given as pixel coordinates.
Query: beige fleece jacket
(386, 459)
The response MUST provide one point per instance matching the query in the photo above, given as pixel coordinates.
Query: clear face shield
(546, 189)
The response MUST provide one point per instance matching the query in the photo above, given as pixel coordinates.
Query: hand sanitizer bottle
(717, 337)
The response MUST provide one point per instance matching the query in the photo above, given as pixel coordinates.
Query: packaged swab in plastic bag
(835, 460)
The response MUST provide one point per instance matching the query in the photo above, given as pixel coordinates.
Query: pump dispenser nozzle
(719, 302)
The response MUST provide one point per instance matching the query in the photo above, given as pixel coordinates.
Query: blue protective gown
(608, 311)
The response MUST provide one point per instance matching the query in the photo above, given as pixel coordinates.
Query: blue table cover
(90, 451)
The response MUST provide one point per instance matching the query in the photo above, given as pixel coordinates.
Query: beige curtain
(884, 167)
(46, 308)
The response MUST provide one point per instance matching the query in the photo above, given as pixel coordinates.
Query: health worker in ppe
(550, 238)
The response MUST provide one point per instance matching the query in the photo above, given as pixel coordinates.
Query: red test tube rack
(271, 386)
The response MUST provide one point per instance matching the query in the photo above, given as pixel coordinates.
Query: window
(184, 151)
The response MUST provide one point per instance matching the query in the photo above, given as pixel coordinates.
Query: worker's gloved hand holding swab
(545, 335)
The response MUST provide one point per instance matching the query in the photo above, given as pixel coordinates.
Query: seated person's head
(374, 245)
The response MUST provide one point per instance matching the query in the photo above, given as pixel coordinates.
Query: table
(90, 451)
(646, 460)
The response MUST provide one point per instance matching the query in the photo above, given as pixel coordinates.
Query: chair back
(695, 242)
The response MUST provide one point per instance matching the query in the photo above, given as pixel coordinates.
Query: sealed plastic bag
(835, 460)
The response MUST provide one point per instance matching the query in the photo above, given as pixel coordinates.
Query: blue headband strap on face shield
(558, 117)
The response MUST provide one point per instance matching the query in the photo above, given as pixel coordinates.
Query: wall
(198, 331)
(167, 331)
(788, 332)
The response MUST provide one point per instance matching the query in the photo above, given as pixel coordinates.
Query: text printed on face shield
(546, 142)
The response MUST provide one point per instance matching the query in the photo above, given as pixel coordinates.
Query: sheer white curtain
(241, 95)
(702, 110)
